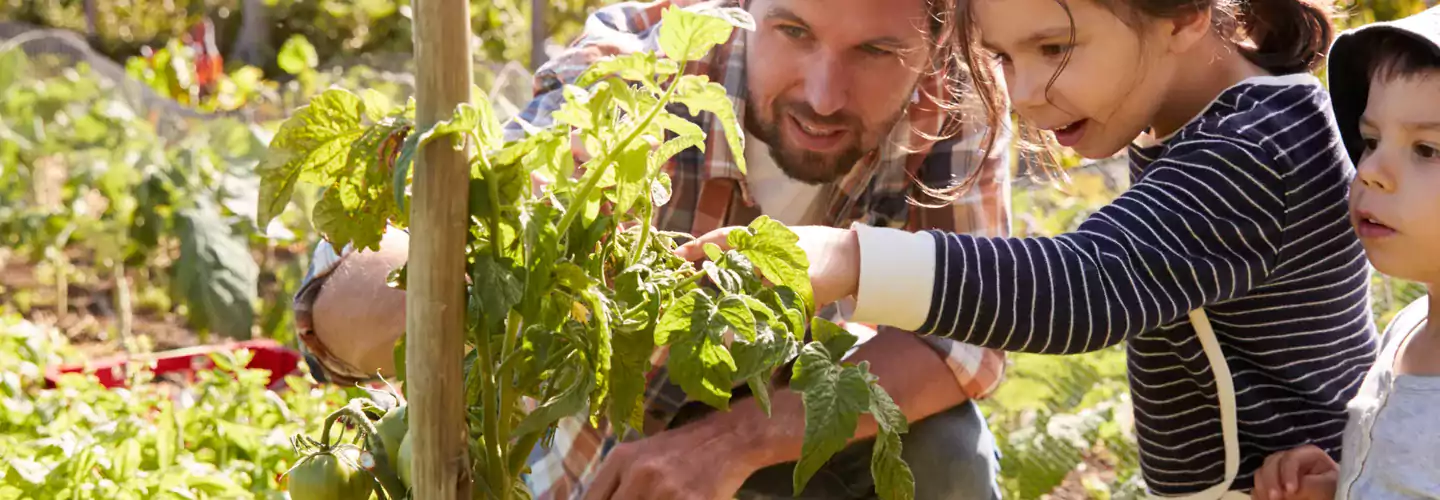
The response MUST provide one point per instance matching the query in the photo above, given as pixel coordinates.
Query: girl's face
(1109, 90)
(1393, 200)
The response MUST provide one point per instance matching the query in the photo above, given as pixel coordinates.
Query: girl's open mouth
(1070, 134)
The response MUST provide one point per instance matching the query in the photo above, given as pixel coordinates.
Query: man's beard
(808, 166)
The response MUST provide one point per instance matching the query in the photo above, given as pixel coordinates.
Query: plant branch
(593, 177)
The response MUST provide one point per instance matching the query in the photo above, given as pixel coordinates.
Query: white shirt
(787, 200)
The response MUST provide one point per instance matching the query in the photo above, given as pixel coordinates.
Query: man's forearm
(910, 371)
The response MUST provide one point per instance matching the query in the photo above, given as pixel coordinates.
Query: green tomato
(391, 429)
(406, 455)
(329, 475)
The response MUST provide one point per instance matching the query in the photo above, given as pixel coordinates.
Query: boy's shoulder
(1409, 318)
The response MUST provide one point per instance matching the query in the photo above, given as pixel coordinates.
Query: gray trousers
(952, 455)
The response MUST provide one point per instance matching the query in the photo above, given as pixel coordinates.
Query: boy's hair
(1395, 56)
(1281, 36)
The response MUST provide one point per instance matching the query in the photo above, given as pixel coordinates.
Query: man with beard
(842, 124)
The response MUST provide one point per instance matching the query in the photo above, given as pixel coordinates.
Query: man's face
(828, 79)
(1393, 201)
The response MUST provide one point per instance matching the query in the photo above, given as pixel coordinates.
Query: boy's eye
(1371, 144)
(1426, 151)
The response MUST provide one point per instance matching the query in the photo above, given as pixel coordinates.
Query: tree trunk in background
(538, 34)
(91, 30)
(252, 46)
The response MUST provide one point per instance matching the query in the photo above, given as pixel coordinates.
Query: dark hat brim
(1348, 68)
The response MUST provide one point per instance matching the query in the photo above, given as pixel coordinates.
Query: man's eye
(1054, 49)
(792, 31)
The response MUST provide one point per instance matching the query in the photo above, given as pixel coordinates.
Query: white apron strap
(1225, 392)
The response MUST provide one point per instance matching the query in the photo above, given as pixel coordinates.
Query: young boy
(1385, 86)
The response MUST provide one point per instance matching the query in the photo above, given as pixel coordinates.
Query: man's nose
(826, 88)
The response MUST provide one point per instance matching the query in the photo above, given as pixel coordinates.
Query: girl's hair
(1281, 36)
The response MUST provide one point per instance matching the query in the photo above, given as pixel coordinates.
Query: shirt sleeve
(1202, 226)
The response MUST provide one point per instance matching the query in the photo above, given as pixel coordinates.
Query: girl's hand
(834, 256)
(1304, 473)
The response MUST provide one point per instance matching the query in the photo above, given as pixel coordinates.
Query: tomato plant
(225, 436)
(571, 289)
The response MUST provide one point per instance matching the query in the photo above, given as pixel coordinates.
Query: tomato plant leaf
(774, 249)
(687, 35)
(698, 360)
(736, 312)
(570, 401)
(631, 168)
(834, 397)
(317, 136)
(893, 478)
(495, 287)
(698, 94)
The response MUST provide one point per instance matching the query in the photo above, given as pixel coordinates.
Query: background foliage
(121, 225)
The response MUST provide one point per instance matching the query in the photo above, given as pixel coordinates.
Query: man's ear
(1188, 29)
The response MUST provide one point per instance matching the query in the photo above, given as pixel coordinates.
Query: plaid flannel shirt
(709, 191)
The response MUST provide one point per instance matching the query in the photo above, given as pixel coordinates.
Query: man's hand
(834, 256)
(1304, 473)
(694, 462)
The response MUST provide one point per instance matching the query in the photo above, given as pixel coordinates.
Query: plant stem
(488, 395)
(640, 243)
(523, 446)
(593, 177)
(688, 281)
(507, 397)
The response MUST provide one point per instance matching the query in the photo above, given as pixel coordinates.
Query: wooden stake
(435, 290)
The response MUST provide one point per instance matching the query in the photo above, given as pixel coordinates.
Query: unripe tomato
(404, 461)
(391, 429)
(326, 476)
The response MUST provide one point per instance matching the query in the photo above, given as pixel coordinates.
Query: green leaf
(639, 66)
(660, 190)
(837, 340)
(215, 275)
(833, 397)
(310, 143)
(893, 478)
(570, 401)
(678, 317)
(698, 360)
(297, 55)
(687, 35)
(363, 227)
(631, 169)
(476, 119)
(377, 105)
(698, 94)
(495, 287)
(631, 361)
(760, 390)
(736, 312)
(398, 355)
(775, 249)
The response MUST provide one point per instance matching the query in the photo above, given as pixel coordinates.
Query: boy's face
(1395, 198)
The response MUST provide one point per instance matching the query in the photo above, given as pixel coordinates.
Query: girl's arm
(1202, 226)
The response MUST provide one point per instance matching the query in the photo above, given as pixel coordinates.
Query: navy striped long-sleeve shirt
(1242, 212)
